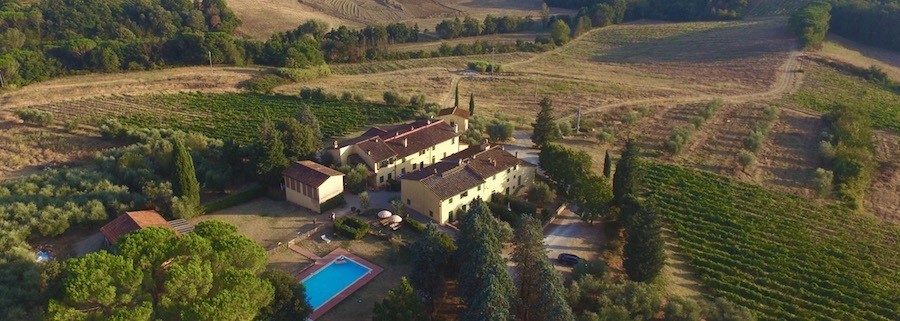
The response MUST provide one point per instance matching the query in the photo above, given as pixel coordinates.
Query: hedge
(351, 226)
(333, 203)
(415, 225)
(234, 199)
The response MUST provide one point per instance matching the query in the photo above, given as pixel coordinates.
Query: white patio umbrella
(396, 219)
(384, 214)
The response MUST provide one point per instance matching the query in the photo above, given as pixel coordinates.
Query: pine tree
(625, 180)
(456, 96)
(545, 128)
(184, 179)
(538, 283)
(270, 155)
(431, 262)
(471, 105)
(607, 165)
(307, 118)
(489, 303)
(644, 253)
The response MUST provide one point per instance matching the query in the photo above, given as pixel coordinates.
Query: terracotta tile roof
(310, 173)
(130, 222)
(465, 170)
(403, 140)
(464, 113)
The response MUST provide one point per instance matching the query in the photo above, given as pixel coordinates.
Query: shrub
(264, 83)
(359, 97)
(710, 108)
(565, 128)
(394, 98)
(482, 66)
(500, 131)
(35, 117)
(697, 121)
(234, 199)
(606, 135)
(823, 181)
(333, 203)
(682, 309)
(632, 117)
(746, 159)
(417, 100)
(755, 140)
(826, 151)
(680, 137)
(317, 93)
(351, 227)
(771, 113)
(415, 225)
(347, 96)
(540, 193)
(71, 125)
(596, 268)
(303, 74)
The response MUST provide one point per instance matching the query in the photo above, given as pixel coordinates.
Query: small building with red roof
(132, 221)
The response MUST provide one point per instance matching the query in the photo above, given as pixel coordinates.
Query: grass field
(824, 87)
(450, 63)
(497, 39)
(777, 254)
(225, 115)
(841, 49)
(433, 82)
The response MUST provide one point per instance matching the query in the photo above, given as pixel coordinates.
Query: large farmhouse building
(391, 153)
(442, 189)
(310, 185)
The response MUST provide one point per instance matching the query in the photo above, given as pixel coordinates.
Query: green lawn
(825, 87)
(778, 254)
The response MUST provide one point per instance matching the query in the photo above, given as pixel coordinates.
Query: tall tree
(184, 180)
(625, 180)
(607, 165)
(485, 284)
(565, 166)
(299, 141)
(289, 301)
(644, 254)
(401, 304)
(471, 104)
(545, 128)
(456, 96)
(559, 32)
(270, 160)
(539, 286)
(308, 119)
(431, 263)
(592, 194)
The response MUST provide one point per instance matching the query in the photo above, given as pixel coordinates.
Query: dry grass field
(207, 79)
(261, 18)
(862, 56)
(433, 82)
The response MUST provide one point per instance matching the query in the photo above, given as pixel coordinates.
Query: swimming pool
(332, 279)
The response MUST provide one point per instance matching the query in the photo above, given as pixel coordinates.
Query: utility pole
(578, 121)
(492, 60)
(209, 53)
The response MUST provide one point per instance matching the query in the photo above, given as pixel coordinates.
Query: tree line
(872, 22)
(672, 10)
(470, 27)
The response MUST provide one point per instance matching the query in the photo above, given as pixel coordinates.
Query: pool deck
(320, 262)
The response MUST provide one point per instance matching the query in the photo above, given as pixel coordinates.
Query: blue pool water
(331, 280)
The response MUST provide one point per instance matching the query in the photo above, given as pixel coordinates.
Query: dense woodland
(672, 10)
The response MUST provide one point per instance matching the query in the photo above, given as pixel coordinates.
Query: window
(508, 170)
(403, 171)
(381, 179)
(479, 187)
(408, 202)
(384, 163)
(390, 176)
(450, 201)
(431, 213)
(422, 152)
(445, 154)
(415, 165)
(422, 164)
(464, 194)
(453, 141)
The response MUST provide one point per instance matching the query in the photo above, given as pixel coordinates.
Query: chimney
(335, 143)
(376, 139)
(517, 154)
(459, 161)
(396, 134)
(369, 152)
(405, 142)
(455, 128)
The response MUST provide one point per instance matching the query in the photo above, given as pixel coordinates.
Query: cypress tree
(545, 128)
(270, 155)
(486, 286)
(489, 303)
(184, 179)
(471, 104)
(607, 165)
(625, 180)
(644, 253)
(299, 140)
(308, 119)
(538, 283)
(456, 98)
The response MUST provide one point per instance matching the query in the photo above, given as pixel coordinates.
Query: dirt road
(569, 234)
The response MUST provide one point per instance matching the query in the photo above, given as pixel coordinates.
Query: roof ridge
(414, 130)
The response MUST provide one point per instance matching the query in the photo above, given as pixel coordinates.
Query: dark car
(568, 259)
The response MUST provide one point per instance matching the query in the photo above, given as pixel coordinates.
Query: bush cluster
(482, 66)
(853, 161)
(333, 203)
(351, 227)
(35, 116)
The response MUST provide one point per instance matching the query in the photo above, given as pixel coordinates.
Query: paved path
(569, 234)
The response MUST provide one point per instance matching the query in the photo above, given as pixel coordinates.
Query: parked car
(568, 259)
